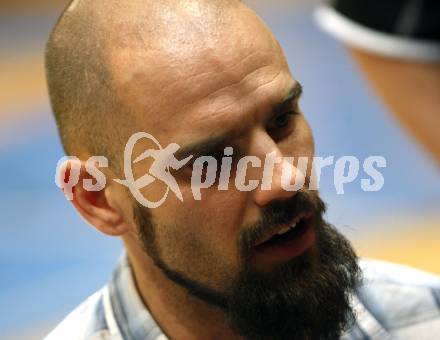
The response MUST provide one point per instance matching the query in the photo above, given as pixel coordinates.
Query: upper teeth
(286, 229)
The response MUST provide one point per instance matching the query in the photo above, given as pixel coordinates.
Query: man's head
(204, 74)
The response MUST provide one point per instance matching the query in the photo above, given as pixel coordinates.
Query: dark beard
(306, 298)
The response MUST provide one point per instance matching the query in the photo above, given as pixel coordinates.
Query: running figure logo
(164, 159)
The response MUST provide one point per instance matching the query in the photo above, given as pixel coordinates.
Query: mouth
(290, 240)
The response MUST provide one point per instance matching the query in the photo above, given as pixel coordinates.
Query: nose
(282, 182)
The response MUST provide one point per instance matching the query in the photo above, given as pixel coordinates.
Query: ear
(87, 188)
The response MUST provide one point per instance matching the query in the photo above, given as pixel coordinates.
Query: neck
(179, 314)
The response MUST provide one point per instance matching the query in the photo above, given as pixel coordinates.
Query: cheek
(198, 238)
(223, 211)
(215, 220)
(218, 214)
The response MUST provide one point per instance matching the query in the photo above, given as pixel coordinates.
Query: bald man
(209, 76)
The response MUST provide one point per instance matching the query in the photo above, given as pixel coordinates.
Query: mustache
(278, 213)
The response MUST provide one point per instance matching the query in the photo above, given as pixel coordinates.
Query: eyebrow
(212, 143)
(293, 95)
(206, 146)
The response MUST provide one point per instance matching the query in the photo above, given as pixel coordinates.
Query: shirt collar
(133, 318)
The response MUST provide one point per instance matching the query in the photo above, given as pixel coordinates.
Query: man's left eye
(281, 121)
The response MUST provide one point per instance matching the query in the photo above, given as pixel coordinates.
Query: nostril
(263, 197)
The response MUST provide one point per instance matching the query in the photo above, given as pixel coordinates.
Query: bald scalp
(91, 116)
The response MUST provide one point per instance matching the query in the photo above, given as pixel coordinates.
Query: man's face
(232, 87)
(235, 84)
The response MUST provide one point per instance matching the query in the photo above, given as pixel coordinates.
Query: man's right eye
(217, 154)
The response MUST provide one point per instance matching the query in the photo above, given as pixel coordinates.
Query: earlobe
(93, 206)
(95, 210)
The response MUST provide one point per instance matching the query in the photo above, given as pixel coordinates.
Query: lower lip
(289, 249)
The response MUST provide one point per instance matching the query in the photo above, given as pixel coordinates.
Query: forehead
(186, 89)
